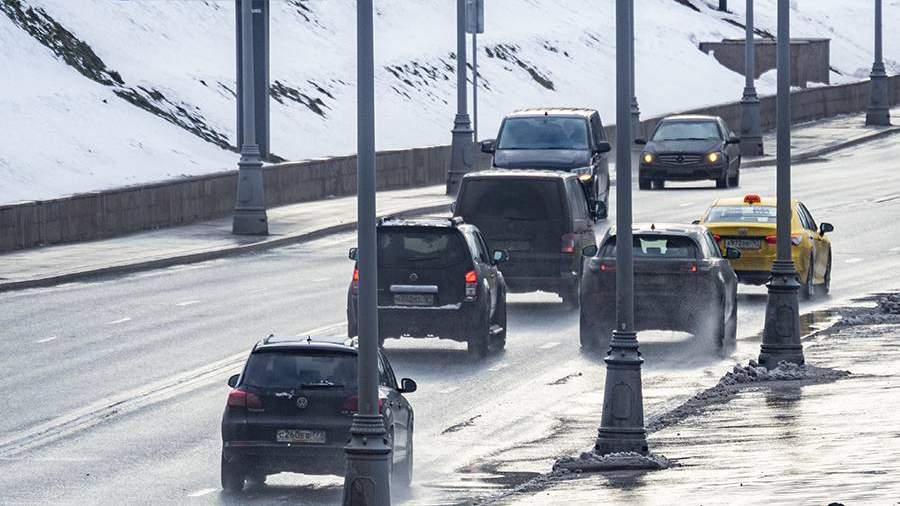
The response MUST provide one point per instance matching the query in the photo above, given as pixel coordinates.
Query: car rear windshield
(511, 199)
(422, 248)
(544, 132)
(687, 130)
(742, 214)
(279, 369)
(657, 246)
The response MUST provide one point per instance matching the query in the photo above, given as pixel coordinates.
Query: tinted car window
(656, 246)
(577, 204)
(711, 245)
(511, 199)
(404, 247)
(806, 218)
(476, 247)
(687, 130)
(291, 370)
(545, 132)
(597, 127)
(742, 214)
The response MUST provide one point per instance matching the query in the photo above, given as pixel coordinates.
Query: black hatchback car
(566, 139)
(690, 148)
(681, 282)
(540, 218)
(291, 408)
(436, 278)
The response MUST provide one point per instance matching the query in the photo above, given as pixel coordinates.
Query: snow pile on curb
(591, 462)
(887, 311)
(784, 371)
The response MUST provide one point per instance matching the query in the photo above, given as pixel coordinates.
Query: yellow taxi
(748, 224)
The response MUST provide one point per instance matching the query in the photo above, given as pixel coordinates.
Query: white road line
(46, 339)
(547, 346)
(686, 204)
(321, 280)
(853, 260)
(187, 303)
(498, 367)
(121, 320)
(202, 492)
(448, 390)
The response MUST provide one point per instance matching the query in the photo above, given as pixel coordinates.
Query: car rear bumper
(273, 458)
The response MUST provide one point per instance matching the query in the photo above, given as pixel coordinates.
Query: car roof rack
(456, 220)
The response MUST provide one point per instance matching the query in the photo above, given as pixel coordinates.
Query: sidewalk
(309, 220)
(779, 442)
(201, 241)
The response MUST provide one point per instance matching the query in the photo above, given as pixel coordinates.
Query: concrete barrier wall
(810, 58)
(171, 203)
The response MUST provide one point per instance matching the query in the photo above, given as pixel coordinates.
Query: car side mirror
(640, 142)
(732, 253)
(603, 147)
(232, 381)
(733, 140)
(499, 256)
(353, 253)
(453, 207)
(590, 250)
(695, 222)
(408, 386)
(487, 146)
(825, 228)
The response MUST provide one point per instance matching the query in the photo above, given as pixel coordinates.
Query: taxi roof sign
(752, 199)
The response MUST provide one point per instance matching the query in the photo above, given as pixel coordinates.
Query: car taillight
(568, 243)
(689, 268)
(354, 286)
(471, 285)
(607, 268)
(796, 239)
(351, 405)
(243, 399)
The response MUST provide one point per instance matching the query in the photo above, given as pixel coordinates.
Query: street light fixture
(751, 131)
(462, 149)
(879, 113)
(367, 479)
(250, 209)
(781, 337)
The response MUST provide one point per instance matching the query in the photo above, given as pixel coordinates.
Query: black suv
(690, 148)
(540, 218)
(571, 140)
(291, 408)
(681, 282)
(436, 278)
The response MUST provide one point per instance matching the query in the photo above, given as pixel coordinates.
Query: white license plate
(413, 299)
(300, 436)
(743, 243)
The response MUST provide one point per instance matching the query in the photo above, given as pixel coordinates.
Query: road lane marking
(499, 367)
(121, 320)
(202, 492)
(187, 303)
(853, 260)
(46, 339)
(122, 403)
(686, 204)
(547, 346)
(448, 390)
(321, 280)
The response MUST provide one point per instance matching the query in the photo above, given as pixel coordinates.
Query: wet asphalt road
(113, 389)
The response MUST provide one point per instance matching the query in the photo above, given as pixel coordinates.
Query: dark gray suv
(571, 140)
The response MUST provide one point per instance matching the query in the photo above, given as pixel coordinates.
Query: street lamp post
(250, 209)
(781, 337)
(462, 154)
(879, 113)
(367, 479)
(635, 110)
(751, 132)
(622, 422)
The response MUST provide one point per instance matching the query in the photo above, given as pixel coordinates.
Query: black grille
(680, 159)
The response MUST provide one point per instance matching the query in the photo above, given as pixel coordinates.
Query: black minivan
(540, 218)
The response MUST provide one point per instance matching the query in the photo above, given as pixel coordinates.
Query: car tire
(403, 473)
(232, 476)
(644, 183)
(731, 323)
(498, 340)
(735, 180)
(593, 337)
(826, 286)
(722, 182)
(569, 296)
(719, 328)
(478, 344)
(808, 291)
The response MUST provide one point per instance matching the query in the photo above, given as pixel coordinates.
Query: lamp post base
(781, 337)
(879, 113)
(368, 477)
(622, 423)
(462, 154)
(250, 211)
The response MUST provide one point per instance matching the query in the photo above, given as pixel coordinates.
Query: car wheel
(731, 323)
(403, 474)
(478, 344)
(826, 287)
(735, 180)
(720, 325)
(643, 183)
(722, 181)
(593, 337)
(809, 286)
(232, 476)
(498, 339)
(570, 296)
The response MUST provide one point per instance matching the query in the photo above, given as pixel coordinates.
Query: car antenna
(653, 226)
(308, 339)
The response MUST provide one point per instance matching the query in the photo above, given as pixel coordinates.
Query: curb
(203, 256)
(808, 155)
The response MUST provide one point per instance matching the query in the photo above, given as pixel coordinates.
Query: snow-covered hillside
(102, 93)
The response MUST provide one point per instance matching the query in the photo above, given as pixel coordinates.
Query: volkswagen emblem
(302, 402)
(414, 277)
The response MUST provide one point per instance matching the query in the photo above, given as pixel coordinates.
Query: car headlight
(648, 157)
(584, 173)
(713, 157)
